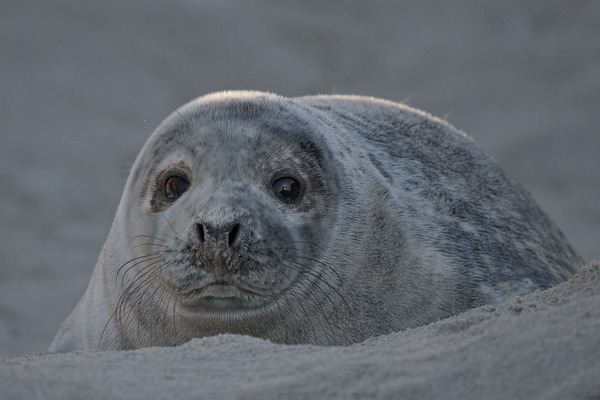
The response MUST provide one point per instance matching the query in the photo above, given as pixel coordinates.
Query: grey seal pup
(324, 220)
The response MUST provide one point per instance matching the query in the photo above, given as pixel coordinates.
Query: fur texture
(401, 221)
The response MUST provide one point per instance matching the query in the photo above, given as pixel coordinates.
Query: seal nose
(225, 233)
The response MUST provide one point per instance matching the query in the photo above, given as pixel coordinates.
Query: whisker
(301, 269)
(144, 282)
(340, 280)
(171, 226)
(139, 279)
(150, 244)
(146, 237)
(117, 312)
(142, 258)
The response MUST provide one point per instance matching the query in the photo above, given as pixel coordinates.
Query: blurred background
(84, 83)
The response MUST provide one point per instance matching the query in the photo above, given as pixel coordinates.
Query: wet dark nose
(218, 233)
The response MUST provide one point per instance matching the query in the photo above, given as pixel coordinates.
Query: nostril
(200, 232)
(233, 234)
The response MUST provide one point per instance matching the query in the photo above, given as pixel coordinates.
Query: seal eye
(287, 189)
(175, 186)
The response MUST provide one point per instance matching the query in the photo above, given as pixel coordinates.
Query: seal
(323, 220)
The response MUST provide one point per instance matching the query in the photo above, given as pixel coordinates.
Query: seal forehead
(240, 125)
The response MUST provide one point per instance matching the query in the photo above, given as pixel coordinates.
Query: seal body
(323, 220)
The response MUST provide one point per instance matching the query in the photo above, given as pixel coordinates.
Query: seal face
(231, 213)
(323, 220)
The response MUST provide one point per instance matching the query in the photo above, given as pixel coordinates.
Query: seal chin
(221, 296)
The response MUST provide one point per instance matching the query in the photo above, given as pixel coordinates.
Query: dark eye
(287, 189)
(175, 186)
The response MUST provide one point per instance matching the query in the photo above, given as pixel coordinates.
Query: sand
(83, 83)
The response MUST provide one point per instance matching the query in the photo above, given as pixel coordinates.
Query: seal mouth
(220, 296)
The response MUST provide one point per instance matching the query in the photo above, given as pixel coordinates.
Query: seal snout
(224, 234)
